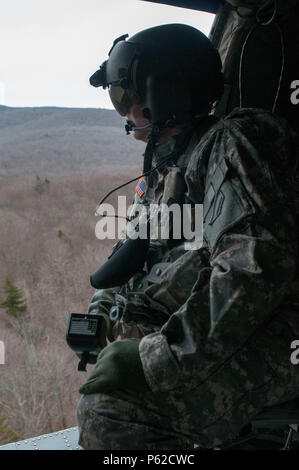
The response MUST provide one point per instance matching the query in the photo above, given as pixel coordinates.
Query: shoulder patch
(226, 203)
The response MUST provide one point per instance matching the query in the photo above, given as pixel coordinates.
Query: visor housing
(120, 61)
(116, 73)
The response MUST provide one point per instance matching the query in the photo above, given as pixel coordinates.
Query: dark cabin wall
(210, 6)
(262, 56)
(263, 53)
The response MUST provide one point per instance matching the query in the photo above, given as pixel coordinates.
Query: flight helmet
(172, 71)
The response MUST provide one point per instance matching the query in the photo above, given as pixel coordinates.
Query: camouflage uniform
(218, 321)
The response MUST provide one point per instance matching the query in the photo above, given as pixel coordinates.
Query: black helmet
(172, 71)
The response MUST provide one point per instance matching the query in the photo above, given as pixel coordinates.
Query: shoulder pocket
(226, 203)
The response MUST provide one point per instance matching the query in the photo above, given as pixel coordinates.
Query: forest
(55, 165)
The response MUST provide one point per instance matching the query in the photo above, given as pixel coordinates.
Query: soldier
(202, 341)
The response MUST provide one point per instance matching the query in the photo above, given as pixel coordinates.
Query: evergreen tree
(14, 303)
(7, 434)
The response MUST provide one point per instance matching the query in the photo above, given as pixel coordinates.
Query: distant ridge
(12, 115)
(51, 141)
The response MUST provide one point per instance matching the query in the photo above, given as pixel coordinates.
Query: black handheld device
(83, 333)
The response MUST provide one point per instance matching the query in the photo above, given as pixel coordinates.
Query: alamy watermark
(155, 221)
(295, 94)
(2, 353)
(294, 358)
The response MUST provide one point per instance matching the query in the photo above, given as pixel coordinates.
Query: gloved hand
(101, 302)
(118, 367)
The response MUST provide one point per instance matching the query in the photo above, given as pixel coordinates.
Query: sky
(49, 48)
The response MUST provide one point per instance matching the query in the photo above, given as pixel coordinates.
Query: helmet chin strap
(152, 140)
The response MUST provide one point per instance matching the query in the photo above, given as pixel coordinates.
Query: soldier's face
(136, 117)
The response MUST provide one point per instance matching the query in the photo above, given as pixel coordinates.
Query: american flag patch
(141, 187)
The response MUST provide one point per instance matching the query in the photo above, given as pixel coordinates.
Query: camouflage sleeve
(249, 226)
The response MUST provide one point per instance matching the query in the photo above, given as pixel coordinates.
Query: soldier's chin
(141, 134)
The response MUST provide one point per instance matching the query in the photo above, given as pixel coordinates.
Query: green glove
(118, 367)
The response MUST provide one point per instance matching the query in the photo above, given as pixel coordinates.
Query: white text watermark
(294, 358)
(295, 94)
(155, 221)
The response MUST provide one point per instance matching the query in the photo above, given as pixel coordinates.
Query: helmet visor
(120, 99)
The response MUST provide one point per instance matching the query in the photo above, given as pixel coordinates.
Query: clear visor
(120, 99)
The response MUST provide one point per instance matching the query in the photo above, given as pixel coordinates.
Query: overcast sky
(49, 48)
